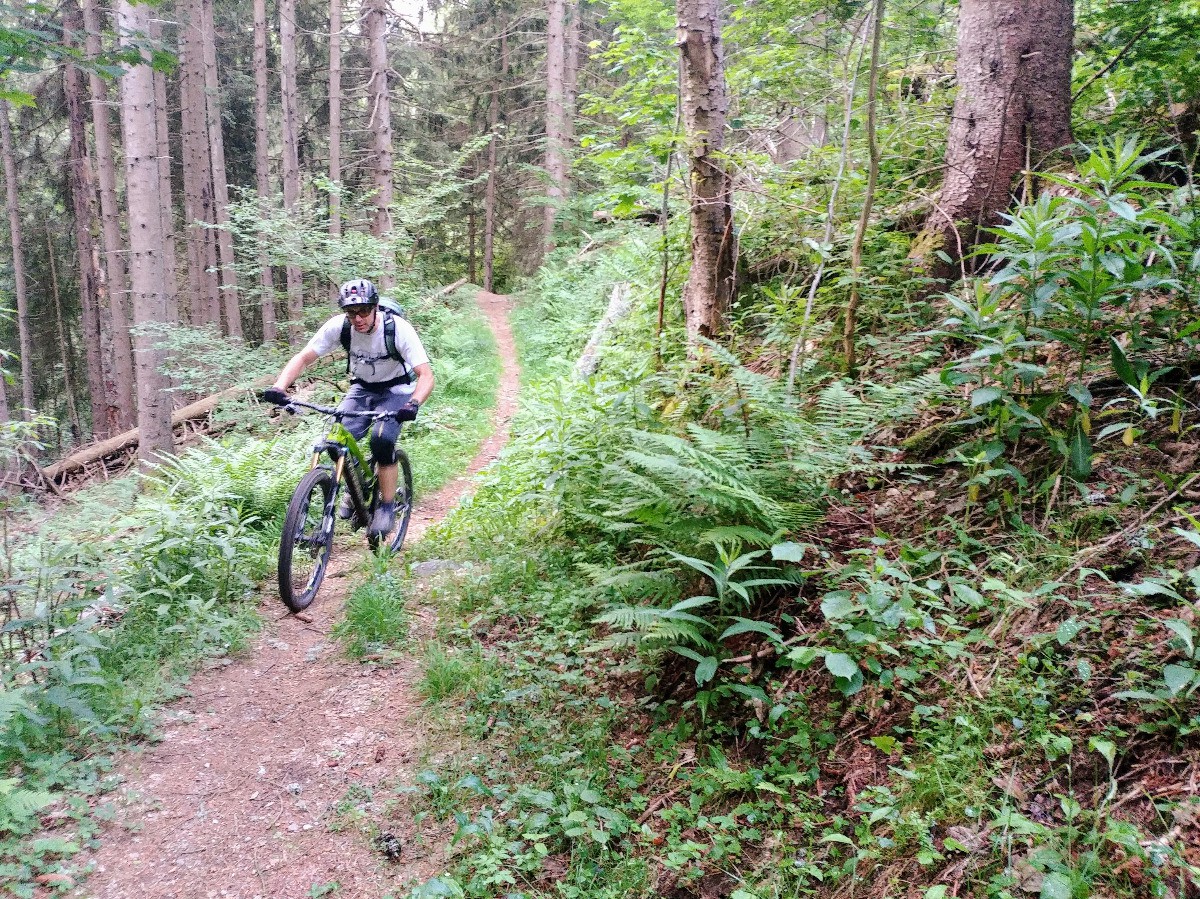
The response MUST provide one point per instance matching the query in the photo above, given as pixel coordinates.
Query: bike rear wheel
(307, 540)
(394, 539)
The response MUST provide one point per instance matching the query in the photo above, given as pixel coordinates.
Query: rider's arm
(424, 383)
(303, 360)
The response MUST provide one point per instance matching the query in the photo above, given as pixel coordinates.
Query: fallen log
(619, 305)
(78, 460)
(448, 289)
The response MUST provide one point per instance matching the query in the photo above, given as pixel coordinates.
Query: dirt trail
(238, 798)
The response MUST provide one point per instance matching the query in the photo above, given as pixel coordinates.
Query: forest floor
(255, 785)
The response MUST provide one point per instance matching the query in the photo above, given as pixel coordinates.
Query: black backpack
(389, 308)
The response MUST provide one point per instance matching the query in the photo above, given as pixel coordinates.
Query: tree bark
(571, 69)
(489, 197)
(556, 129)
(167, 205)
(122, 396)
(18, 257)
(710, 284)
(335, 128)
(864, 217)
(291, 158)
(83, 207)
(145, 237)
(473, 224)
(1013, 108)
(205, 306)
(380, 125)
(64, 354)
(262, 165)
(216, 152)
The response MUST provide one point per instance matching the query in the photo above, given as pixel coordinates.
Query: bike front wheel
(307, 540)
(394, 539)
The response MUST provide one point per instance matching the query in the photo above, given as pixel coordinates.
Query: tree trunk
(18, 257)
(122, 397)
(571, 69)
(262, 165)
(709, 288)
(864, 217)
(489, 197)
(376, 26)
(205, 306)
(167, 205)
(556, 129)
(64, 355)
(145, 236)
(1013, 108)
(216, 144)
(83, 207)
(291, 158)
(335, 127)
(472, 224)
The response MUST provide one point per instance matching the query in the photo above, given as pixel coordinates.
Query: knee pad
(383, 450)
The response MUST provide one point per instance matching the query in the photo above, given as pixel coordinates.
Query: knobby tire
(307, 539)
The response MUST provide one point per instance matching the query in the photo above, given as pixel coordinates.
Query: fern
(19, 807)
(248, 476)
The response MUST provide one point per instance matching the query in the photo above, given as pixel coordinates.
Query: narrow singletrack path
(241, 797)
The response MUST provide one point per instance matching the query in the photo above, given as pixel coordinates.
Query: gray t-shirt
(369, 360)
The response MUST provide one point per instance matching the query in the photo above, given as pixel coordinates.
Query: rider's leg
(388, 477)
(383, 449)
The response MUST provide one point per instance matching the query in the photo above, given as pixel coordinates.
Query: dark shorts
(364, 398)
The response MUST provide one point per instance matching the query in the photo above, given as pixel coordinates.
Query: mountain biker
(379, 382)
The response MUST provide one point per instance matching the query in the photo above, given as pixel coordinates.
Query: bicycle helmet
(358, 292)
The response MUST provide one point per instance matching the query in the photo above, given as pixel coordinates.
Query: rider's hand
(408, 412)
(275, 395)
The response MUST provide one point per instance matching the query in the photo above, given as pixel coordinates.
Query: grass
(457, 418)
(375, 617)
(455, 673)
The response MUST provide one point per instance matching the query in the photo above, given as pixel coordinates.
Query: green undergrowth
(708, 637)
(112, 600)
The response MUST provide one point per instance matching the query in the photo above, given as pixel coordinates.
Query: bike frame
(339, 444)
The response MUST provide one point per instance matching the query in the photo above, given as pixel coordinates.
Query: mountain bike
(338, 462)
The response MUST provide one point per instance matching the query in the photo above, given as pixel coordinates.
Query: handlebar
(335, 413)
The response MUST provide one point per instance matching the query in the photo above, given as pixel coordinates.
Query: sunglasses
(359, 311)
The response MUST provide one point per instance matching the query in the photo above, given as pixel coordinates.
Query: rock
(435, 566)
(56, 877)
(276, 643)
(389, 844)
(294, 788)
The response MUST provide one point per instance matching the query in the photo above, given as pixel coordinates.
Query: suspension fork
(345, 468)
